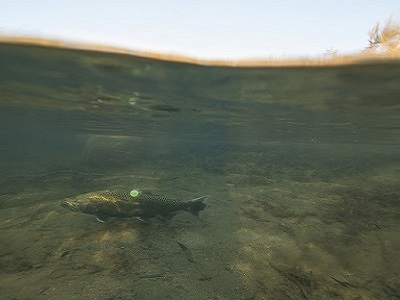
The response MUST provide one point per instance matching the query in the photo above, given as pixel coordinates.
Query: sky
(206, 29)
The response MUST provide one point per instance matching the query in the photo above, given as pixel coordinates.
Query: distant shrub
(386, 37)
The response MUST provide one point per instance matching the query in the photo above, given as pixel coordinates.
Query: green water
(301, 166)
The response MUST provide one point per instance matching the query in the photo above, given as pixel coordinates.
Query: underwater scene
(124, 177)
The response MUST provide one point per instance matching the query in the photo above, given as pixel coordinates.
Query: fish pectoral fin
(187, 252)
(154, 219)
(102, 218)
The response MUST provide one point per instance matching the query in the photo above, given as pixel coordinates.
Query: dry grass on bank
(323, 60)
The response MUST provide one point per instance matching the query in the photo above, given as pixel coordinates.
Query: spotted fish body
(120, 203)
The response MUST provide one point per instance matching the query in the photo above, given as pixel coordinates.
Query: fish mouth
(67, 203)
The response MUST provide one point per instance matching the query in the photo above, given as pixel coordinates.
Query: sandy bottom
(269, 231)
(275, 239)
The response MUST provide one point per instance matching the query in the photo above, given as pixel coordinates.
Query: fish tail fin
(196, 205)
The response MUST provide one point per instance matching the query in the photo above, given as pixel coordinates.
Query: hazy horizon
(223, 30)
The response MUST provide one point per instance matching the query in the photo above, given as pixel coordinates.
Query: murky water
(301, 166)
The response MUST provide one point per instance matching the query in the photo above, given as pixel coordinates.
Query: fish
(125, 204)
